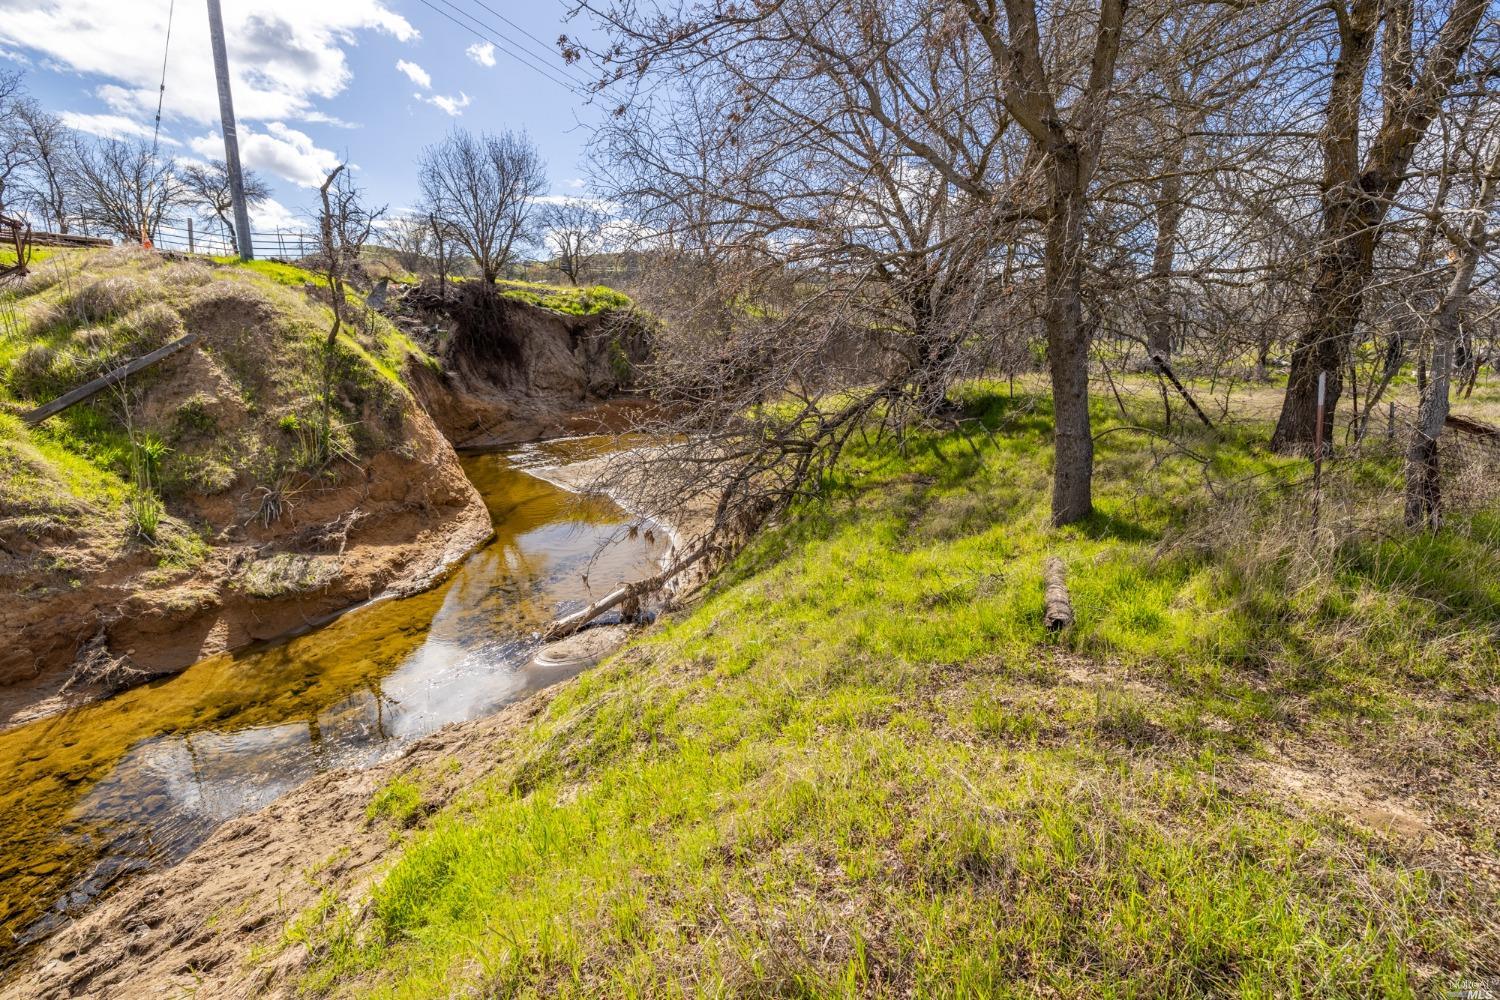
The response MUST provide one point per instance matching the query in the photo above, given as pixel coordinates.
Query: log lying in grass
(1057, 606)
(632, 592)
(106, 380)
(1468, 425)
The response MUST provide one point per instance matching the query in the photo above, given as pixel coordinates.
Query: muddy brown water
(137, 781)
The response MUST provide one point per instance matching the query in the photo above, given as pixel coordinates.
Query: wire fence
(188, 236)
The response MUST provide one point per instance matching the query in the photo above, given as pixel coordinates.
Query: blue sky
(316, 81)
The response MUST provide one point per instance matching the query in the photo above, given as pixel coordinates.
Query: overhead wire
(161, 93)
(526, 57)
(161, 97)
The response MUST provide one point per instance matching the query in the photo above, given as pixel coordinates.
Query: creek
(136, 781)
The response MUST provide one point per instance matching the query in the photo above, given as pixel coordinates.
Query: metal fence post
(1318, 448)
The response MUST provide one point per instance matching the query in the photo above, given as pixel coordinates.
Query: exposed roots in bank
(96, 667)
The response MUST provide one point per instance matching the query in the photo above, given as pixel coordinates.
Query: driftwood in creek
(630, 592)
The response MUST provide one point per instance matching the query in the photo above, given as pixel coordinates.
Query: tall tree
(1358, 187)
(484, 188)
(52, 145)
(574, 231)
(15, 152)
(1067, 139)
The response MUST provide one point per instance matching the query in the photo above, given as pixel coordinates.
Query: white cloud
(280, 150)
(111, 126)
(285, 55)
(453, 105)
(482, 52)
(602, 204)
(271, 215)
(319, 118)
(577, 184)
(415, 74)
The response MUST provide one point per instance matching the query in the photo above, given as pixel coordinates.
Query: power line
(571, 83)
(537, 60)
(161, 94)
(545, 56)
(513, 24)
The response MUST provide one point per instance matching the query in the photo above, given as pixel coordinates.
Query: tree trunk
(1423, 485)
(1357, 193)
(1334, 307)
(1423, 478)
(1068, 342)
(1163, 260)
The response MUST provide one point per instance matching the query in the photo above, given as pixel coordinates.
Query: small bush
(32, 369)
(195, 416)
(400, 801)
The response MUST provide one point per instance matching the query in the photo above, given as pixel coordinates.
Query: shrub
(143, 512)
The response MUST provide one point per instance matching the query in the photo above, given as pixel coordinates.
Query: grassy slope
(85, 311)
(861, 767)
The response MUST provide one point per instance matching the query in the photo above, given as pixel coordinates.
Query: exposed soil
(391, 527)
(513, 372)
(87, 614)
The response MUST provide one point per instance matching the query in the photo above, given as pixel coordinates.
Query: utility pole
(231, 137)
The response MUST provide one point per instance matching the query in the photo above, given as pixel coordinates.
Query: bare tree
(414, 243)
(574, 231)
(485, 188)
(355, 218)
(16, 153)
(125, 188)
(945, 84)
(52, 146)
(1359, 186)
(1468, 232)
(206, 185)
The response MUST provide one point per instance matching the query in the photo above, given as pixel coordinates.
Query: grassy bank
(1256, 766)
(240, 407)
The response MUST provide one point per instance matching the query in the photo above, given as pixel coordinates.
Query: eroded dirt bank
(262, 528)
(510, 371)
(259, 538)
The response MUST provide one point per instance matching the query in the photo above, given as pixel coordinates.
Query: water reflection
(139, 780)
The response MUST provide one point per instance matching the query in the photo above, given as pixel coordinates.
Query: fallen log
(1165, 369)
(633, 592)
(1468, 425)
(106, 380)
(1057, 606)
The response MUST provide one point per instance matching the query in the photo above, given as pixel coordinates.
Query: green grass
(399, 801)
(861, 767)
(584, 301)
(38, 254)
(85, 312)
